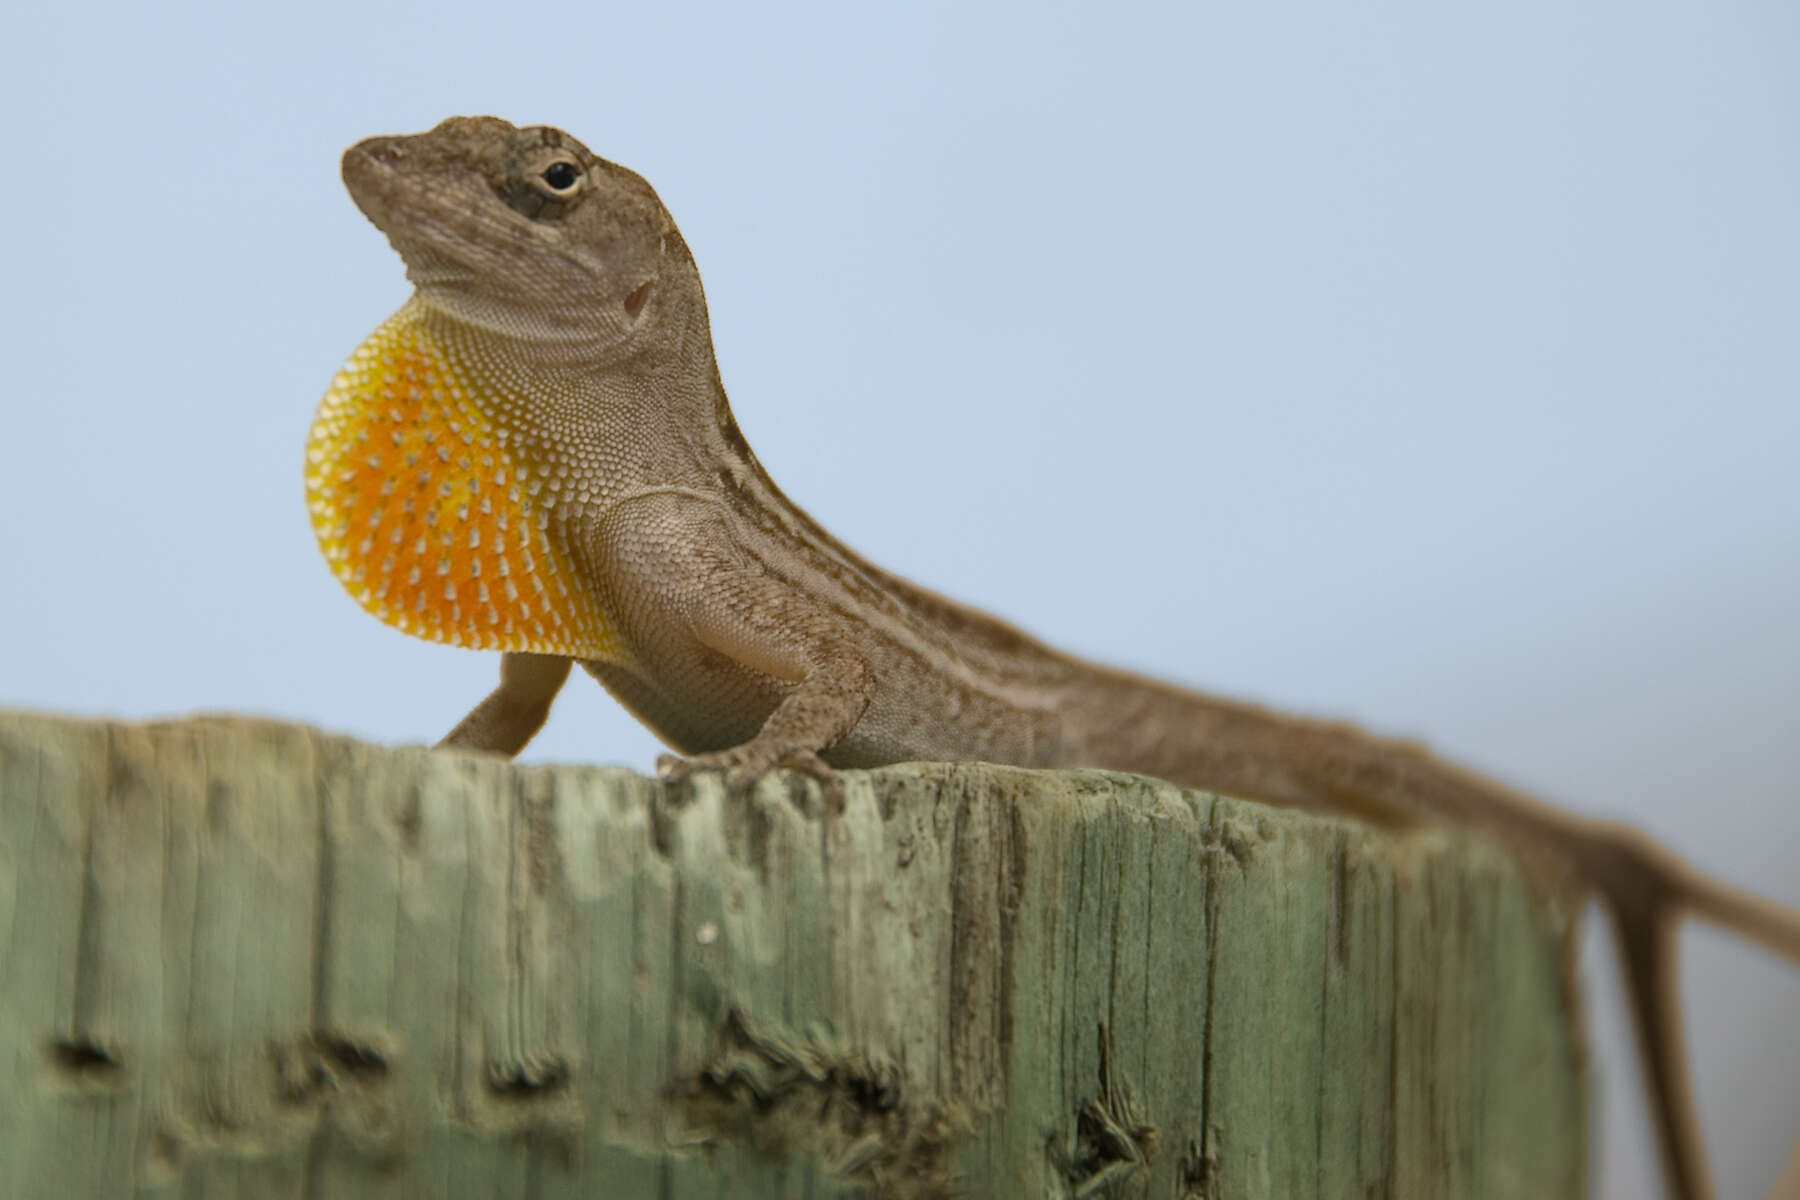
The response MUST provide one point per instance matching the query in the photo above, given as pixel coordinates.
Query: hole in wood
(84, 1056)
(522, 1081)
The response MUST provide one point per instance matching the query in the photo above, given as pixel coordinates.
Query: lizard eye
(561, 177)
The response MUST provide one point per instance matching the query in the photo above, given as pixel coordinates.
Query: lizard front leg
(757, 623)
(514, 711)
(725, 633)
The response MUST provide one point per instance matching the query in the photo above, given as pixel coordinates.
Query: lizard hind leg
(1647, 890)
(1646, 941)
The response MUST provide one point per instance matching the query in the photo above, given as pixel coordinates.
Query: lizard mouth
(430, 206)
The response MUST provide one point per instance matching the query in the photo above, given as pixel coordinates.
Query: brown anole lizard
(535, 455)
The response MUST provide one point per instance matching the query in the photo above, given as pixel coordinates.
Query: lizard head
(522, 230)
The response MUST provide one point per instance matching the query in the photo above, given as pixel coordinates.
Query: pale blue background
(1437, 370)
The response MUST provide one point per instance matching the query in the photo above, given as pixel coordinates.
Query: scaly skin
(535, 455)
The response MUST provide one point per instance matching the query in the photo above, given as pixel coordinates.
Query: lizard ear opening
(634, 303)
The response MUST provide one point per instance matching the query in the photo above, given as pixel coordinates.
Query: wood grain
(240, 958)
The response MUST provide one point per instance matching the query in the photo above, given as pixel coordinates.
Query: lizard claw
(744, 765)
(673, 767)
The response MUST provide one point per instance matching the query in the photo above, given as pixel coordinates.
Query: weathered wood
(240, 958)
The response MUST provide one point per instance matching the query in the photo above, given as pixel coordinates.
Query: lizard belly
(421, 507)
(688, 722)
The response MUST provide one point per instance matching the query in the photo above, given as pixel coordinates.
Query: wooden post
(245, 959)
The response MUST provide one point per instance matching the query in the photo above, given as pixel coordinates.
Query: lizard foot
(744, 765)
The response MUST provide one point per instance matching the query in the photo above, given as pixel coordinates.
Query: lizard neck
(442, 466)
(452, 467)
(590, 428)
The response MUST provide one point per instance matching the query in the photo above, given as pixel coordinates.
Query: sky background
(1428, 367)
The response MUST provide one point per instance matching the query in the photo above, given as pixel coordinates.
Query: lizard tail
(1775, 927)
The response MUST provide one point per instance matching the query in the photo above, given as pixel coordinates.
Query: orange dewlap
(419, 507)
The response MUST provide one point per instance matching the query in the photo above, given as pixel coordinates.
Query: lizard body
(536, 455)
